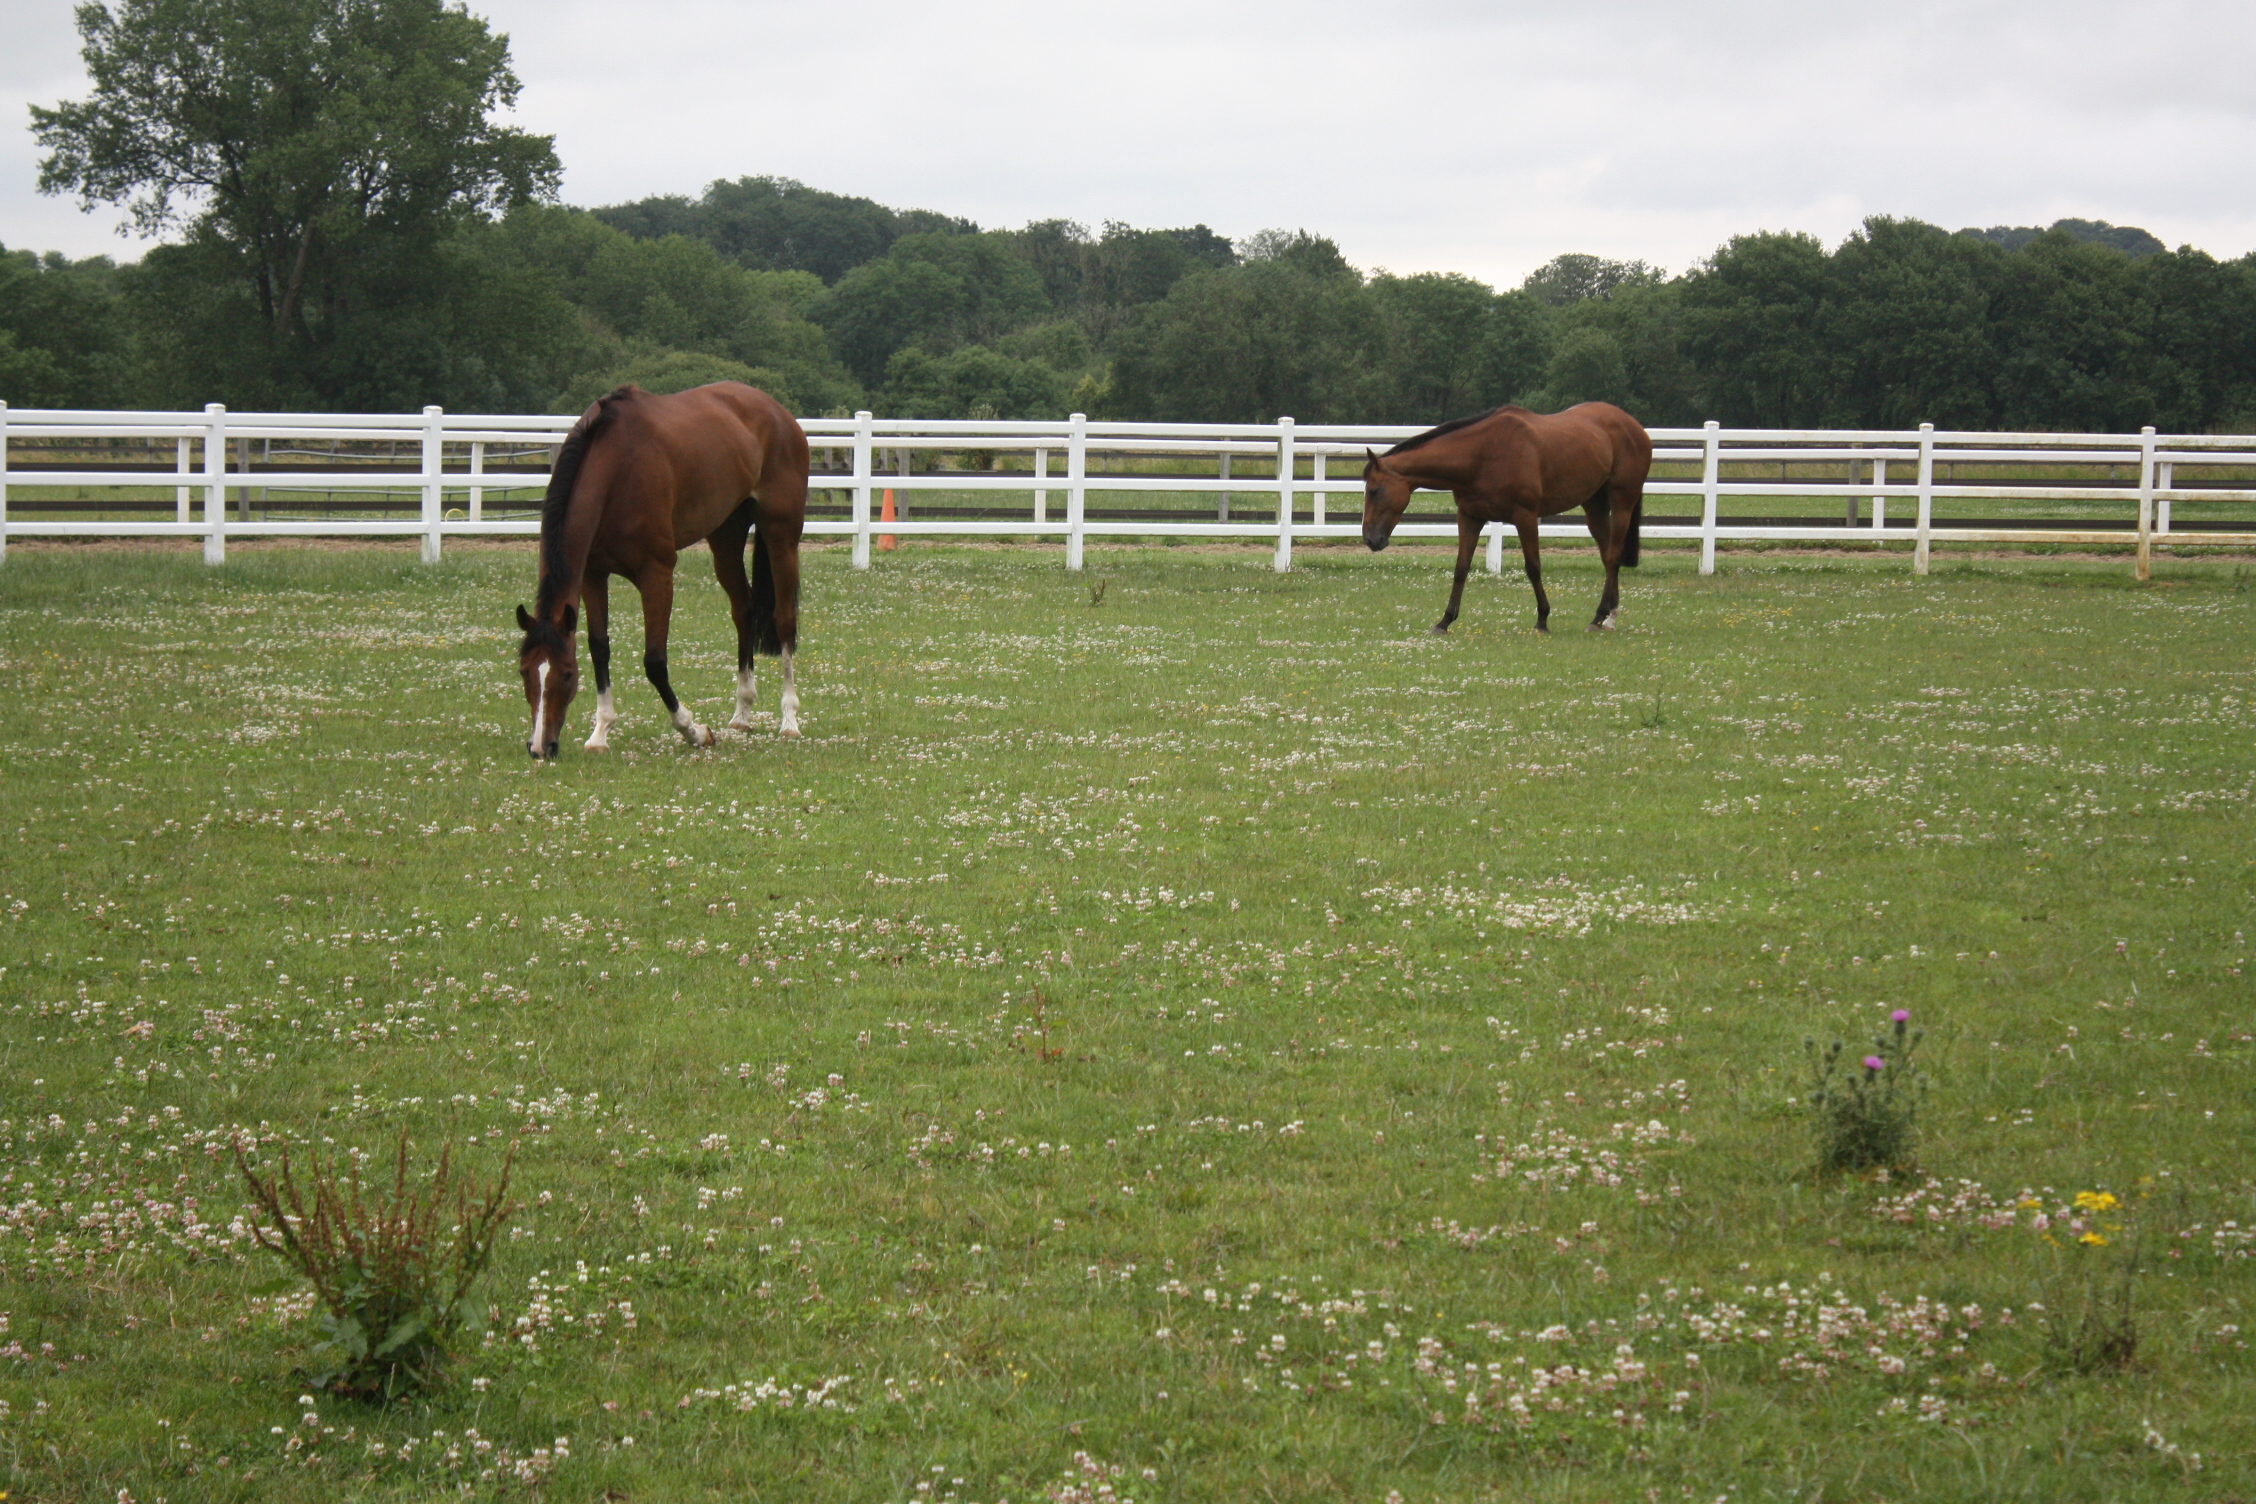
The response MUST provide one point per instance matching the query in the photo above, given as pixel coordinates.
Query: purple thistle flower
(1901, 1016)
(1874, 1062)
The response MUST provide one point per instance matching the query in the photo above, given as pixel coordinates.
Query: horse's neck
(563, 566)
(1439, 466)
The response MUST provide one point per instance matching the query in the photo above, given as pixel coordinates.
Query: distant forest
(835, 302)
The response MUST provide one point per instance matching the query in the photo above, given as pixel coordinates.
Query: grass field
(1218, 1031)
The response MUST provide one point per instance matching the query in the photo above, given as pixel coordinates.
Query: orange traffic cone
(886, 542)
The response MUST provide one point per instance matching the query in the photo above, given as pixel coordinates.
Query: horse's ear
(1370, 459)
(524, 620)
(571, 620)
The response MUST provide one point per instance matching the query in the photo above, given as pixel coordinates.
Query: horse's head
(550, 663)
(1385, 496)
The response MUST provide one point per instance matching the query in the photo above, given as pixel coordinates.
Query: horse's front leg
(1468, 539)
(657, 586)
(595, 594)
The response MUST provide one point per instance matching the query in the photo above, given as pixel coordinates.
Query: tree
(1913, 327)
(317, 153)
(1576, 276)
(1452, 347)
(2074, 337)
(936, 291)
(1291, 331)
(1753, 323)
(2204, 376)
(779, 224)
(63, 332)
(970, 381)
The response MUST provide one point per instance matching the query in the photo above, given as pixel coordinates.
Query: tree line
(350, 229)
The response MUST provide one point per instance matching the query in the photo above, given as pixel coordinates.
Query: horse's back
(722, 429)
(1623, 439)
(1558, 459)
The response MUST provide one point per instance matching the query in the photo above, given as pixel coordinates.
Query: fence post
(215, 483)
(1287, 462)
(2165, 480)
(1921, 550)
(1076, 487)
(862, 490)
(1710, 466)
(1041, 494)
(1879, 502)
(1496, 549)
(477, 469)
(1222, 502)
(3, 482)
(434, 465)
(2146, 504)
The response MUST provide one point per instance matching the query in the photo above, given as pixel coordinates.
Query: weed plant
(392, 1268)
(1866, 1111)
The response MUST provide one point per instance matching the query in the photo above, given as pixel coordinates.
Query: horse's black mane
(557, 504)
(1416, 441)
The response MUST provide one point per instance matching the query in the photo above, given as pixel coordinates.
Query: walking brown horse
(1511, 465)
(639, 479)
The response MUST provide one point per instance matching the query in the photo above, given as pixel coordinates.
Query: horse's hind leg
(727, 544)
(1608, 536)
(779, 555)
(595, 594)
(657, 586)
(1531, 549)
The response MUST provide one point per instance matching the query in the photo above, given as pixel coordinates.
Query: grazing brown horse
(1511, 465)
(640, 478)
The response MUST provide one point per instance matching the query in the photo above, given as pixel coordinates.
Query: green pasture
(1179, 1030)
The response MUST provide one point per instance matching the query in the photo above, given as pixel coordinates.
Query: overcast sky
(1423, 135)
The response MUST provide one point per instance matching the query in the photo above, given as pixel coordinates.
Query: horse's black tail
(1629, 541)
(765, 636)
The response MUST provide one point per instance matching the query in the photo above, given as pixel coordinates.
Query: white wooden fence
(1311, 488)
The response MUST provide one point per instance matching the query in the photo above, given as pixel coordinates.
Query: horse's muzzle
(1376, 541)
(538, 755)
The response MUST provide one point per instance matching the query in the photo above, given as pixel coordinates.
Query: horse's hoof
(791, 731)
(1440, 631)
(741, 723)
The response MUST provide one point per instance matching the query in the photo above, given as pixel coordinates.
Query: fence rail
(437, 464)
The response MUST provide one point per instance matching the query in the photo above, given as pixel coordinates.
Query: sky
(1422, 135)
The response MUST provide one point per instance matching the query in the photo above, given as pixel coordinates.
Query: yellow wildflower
(2093, 1239)
(2096, 1201)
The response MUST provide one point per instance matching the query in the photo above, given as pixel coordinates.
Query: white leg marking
(686, 724)
(790, 697)
(599, 740)
(747, 698)
(540, 712)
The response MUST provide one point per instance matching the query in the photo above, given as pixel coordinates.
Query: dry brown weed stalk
(392, 1266)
